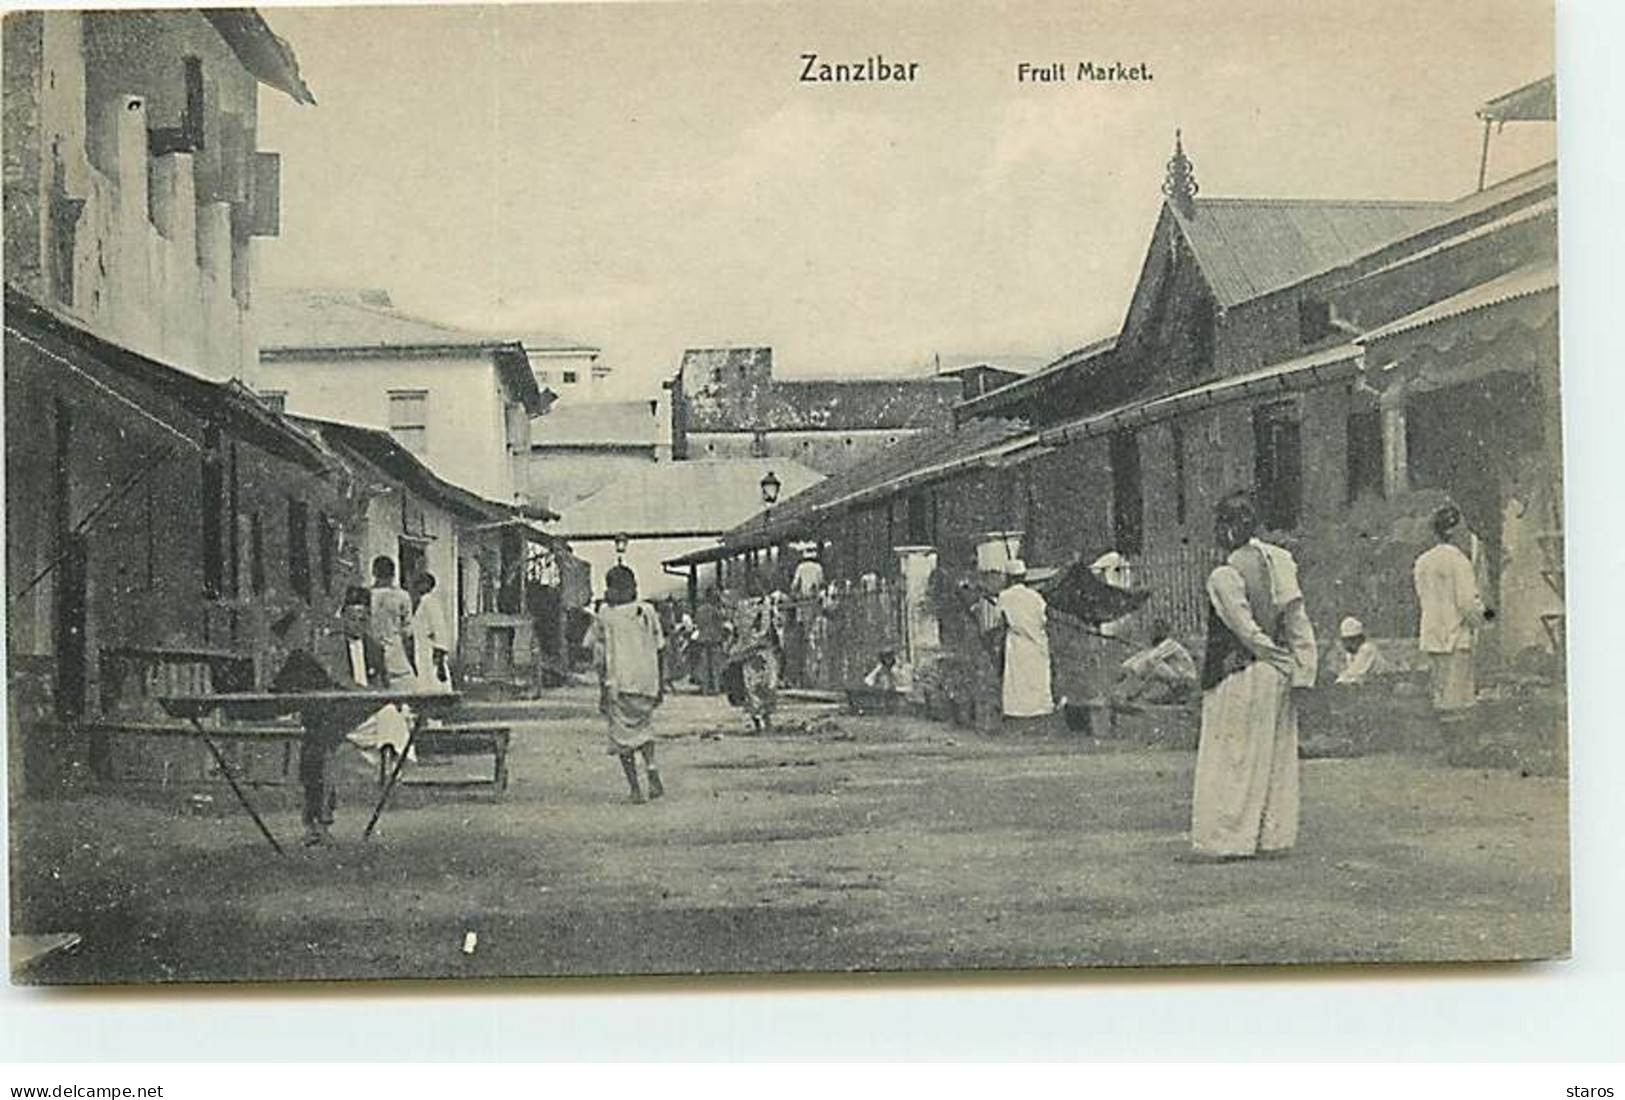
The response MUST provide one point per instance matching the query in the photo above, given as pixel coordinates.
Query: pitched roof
(692, 498)
(1535, 278)
(1025, 389)
(598, 424)
(1534, 102)
(299, 322)
(379, 448)
(1247, 248)
(1014, 364)
(230, 404)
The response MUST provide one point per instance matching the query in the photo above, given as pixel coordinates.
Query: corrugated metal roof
(1524, 281)
(702, 496)
(378, 447)
(597, 424)
(1247, 248)
(1284, 374)
(1534, 102)
(1023, 389)
(908, 457)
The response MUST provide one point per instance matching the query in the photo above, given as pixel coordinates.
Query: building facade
(726, 403)
(459, 400)
(572, 370)
(1352, 364)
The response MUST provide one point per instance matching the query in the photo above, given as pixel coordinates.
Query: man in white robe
(1452, 612)
(1026, 688)
(1260, 648)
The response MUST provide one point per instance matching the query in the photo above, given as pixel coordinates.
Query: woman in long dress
(1260, 647)
(626, 639)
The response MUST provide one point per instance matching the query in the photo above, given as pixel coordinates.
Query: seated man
(1356, 658)
(351, 659)
(888, 675)
(1163, 672)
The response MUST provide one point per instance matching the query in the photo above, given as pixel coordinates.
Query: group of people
(1260, 652)
(389, 637)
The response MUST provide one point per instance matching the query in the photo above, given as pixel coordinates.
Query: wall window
(214, 506)
(1278, 465)
(256, 555)
(299, 548)
(1365, 454)
(1176, 436)
(276, 399)
(919, 519)
(1314, 320)
(327, 540)
(1204, 334)
(409, 419)
(758, 443)
(1128, 498)
(570, 377)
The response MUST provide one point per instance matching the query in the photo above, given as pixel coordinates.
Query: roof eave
(266, 56)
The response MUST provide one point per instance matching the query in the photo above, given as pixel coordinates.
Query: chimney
(1180, 185)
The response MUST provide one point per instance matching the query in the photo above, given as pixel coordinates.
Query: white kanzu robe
(1246, 796)
(1452, 609)
(1026, 653)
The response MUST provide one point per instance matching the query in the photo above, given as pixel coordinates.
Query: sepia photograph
(606, 489)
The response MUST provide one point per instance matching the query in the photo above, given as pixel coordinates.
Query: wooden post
(1396, 477)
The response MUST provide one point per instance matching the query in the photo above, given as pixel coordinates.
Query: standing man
(431, 636)
(391, 616)
(1260, 647)
(349, 660)
(1026, 688)
(1452, 612)
(392, 628)
(708, 641)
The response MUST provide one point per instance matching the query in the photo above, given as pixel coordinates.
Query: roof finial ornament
(1180, 186)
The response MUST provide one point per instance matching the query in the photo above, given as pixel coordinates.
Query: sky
(651, 177)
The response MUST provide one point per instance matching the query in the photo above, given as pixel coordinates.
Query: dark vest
(1226, 654)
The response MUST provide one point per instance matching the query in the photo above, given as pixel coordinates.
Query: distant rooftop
(697, 498)
(598, 424)
(296, 322)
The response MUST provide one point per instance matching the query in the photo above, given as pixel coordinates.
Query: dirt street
(839, 844)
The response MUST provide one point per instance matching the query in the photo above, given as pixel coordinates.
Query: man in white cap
(1026, 645)
(1356, 658)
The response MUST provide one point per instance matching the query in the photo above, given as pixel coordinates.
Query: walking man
(626, 641)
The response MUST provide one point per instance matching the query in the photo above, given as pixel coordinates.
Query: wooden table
(348, 708)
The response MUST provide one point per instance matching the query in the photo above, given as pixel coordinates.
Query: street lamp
(770, 496)
(622, 541)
